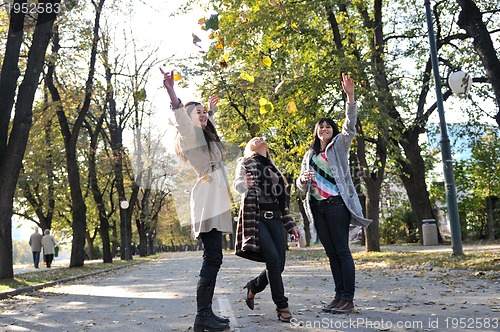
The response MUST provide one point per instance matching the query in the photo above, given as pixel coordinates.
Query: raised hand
(168, 79)
(348, 87)
(213, 101)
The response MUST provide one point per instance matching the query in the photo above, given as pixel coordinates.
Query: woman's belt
(333, 200)
(270, 214)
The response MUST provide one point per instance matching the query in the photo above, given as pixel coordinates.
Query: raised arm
(168, 83)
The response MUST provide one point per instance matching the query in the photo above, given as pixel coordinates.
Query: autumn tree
(70, 127)
(14, 136)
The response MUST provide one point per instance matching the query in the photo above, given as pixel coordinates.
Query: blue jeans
(36, 258)
(332, 225)
(212, 253)
(272, 248)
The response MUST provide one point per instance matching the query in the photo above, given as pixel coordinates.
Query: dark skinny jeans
(212, 253)
(272, 248)
(332, 225)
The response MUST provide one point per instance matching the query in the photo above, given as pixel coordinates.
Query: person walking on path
(35, 243)
(198, 143)
(49, 245)
(332, 202)
(262, 218)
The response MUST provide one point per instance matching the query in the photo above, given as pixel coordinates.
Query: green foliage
(399, 227)
(476, 179)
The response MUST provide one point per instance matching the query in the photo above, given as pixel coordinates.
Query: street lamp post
(124, 205)
(451, 194)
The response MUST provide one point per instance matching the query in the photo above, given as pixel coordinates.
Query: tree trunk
(97, 193)
(413, 177)
(10, 73)
(491, 203)
(12, 153)
(470, 19)
(70, 135)
(116, 143)
(373, 179)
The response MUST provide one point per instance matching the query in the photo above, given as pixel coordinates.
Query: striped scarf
(323, 185)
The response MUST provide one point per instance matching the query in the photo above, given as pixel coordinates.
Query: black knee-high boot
(212, 289)
(205, 320)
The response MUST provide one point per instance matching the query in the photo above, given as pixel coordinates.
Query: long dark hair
(316, 145)
(209, 132)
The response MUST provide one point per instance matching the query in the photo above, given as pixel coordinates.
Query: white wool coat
(210, 202)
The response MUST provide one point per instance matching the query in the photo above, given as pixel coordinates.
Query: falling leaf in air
(220, 44)
(196, 40)
(212, 22)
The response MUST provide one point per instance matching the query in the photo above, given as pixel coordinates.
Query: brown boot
(344, 307)
(332, 305)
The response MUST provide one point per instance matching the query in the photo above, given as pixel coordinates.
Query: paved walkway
(160, 296)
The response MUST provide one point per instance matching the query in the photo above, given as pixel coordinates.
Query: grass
(478, 260)
(48, 275)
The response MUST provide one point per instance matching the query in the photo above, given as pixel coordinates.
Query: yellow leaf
(295, 27)
(226, 56)
(265, 106)
(177, 77)
(247, 77)
(201, 21)
(266, 61)
(220, 45)
(292, 107)
(263, 101)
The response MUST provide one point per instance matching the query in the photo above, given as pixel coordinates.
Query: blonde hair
(248, 152)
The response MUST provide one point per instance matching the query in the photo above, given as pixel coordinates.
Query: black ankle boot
(205, 320)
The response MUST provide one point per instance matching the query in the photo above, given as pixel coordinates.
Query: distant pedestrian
(48, 244)
(36, 246)
(332, 202)
(263, 217)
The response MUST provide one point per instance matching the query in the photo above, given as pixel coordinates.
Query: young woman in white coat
(198, 143)
(332, 203)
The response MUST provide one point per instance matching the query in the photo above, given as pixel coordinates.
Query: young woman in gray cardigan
(198, 143)
(332, 203)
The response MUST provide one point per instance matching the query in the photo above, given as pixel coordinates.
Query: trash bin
(429, 232)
